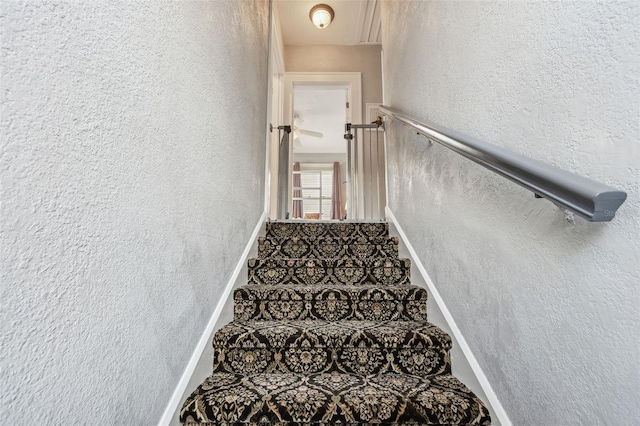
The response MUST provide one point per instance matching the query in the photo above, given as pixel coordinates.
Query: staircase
(329, 330)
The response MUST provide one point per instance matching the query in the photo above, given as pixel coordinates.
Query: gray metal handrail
(587, 198)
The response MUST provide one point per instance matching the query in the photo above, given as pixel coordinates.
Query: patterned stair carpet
(329, 331)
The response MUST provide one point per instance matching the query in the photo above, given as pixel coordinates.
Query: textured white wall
(548, 306)
(132, 171)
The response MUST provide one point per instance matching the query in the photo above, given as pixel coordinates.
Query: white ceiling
(321, 109)
(355, 22)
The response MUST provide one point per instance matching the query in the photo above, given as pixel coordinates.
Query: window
(316, 187)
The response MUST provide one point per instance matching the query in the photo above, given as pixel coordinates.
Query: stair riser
(316, 272)
(331, 399)
(308, 360)
(333, 304)
(349, 231)
(330, 240)
(267, 310)
(327, 251)
(362, 347)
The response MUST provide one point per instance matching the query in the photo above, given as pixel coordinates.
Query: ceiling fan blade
(309, 133)
(296, 142)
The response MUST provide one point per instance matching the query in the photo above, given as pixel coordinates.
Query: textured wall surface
(548, 306)
(132, 172)
(363, 59)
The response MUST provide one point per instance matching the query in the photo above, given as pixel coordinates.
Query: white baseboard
(171, 407)
(496, 406)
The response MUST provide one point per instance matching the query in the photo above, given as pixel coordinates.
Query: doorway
(317, 106)
(319, 151)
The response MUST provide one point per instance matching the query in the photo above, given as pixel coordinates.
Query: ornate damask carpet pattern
(330, 331)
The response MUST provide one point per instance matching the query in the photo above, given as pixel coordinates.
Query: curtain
(297, 193)
(337, 209)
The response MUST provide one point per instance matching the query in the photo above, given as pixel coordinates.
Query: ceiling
(355, 22)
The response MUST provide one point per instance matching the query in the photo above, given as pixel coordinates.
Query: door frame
(351, 80)
(275, 110)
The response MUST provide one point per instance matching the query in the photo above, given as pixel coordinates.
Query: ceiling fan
(297, 121)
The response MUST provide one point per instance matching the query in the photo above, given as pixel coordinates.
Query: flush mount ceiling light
(321, 15)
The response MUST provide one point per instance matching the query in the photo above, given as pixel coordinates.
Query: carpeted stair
(328, 331)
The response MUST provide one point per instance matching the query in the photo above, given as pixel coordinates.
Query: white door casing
(275, 115)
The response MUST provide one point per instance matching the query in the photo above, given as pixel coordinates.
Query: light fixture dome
(321, 15)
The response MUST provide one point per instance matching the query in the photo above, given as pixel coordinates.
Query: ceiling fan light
(321, 15)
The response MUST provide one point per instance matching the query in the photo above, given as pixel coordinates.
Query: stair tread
(333, 398)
